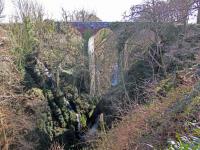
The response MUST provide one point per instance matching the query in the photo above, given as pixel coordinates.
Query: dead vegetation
(56, 146)
(148, 124)
(151, 126)
(15, 122)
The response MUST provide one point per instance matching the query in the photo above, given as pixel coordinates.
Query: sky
(106, 10)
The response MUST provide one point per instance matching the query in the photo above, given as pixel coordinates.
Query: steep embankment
(151, 126)
(17, 108)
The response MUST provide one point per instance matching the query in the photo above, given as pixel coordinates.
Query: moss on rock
(36, 92)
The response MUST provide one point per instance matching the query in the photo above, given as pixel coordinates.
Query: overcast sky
(107, 10)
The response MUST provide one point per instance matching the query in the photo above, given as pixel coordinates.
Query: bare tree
(156, 12)
(162, 11)
(28, 9)
(1, 7)
(79, 16)
(152, 10)
(196, 7)
(181, 9)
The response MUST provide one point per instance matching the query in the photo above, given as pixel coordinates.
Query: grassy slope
(149, 127)
(16, 120)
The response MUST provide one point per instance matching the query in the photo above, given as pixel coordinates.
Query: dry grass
(15, 128)
(15, 124)
(3, 127)
(134, 131)
(56, 146)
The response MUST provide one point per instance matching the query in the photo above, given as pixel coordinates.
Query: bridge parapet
(92, 26)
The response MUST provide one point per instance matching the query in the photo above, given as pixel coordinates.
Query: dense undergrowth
(46, 94)
(153, 126)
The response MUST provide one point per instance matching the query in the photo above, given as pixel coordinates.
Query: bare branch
(79, 16)
(1, 8)
(28, 8)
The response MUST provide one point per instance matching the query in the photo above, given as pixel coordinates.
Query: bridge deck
(92, 26)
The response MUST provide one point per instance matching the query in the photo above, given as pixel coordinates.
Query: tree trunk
(198, 16)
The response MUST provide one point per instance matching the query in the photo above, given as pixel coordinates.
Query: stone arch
(141, 40)
(102, 60)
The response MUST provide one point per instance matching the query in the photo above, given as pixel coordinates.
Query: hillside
(70, 80)
(135, 90)
(152, 126)
(17, 107)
